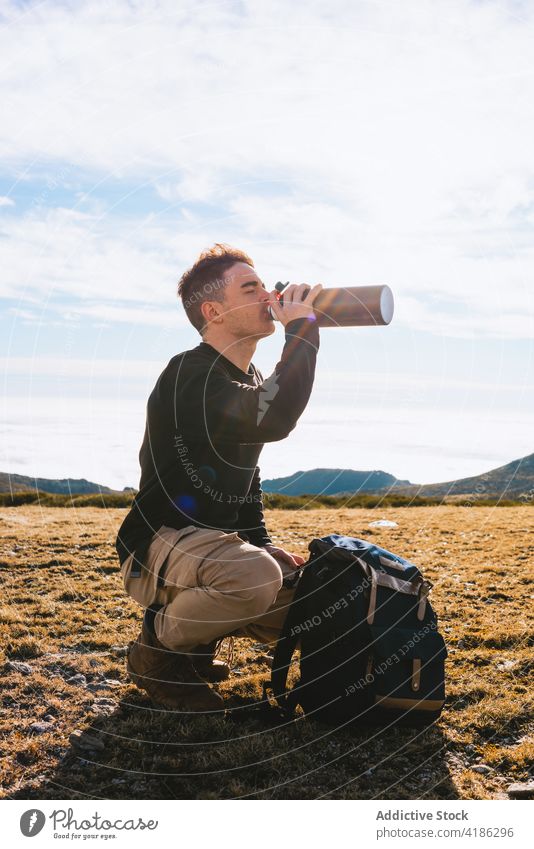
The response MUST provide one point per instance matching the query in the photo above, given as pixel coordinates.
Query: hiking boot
(169, 677)
(203, 659)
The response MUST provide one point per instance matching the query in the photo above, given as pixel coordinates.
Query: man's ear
(211, 311)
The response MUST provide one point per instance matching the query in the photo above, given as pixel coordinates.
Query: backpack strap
(283, 654)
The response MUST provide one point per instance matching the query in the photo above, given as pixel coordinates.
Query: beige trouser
(211, 584)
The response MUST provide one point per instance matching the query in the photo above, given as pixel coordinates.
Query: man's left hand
(294, 560)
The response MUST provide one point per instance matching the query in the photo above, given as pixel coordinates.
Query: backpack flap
(342, 548)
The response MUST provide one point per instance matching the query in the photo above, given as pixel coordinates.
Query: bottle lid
(281, 286)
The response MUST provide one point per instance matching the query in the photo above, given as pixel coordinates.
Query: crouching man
(194, 550)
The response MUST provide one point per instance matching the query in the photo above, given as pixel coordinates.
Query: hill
(65, 486)
(514, 480)
(333, 482)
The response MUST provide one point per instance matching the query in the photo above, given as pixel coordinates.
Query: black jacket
(206, 424)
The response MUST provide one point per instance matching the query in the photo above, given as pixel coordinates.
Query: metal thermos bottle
(350, 306)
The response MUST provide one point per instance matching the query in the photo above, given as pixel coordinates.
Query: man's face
(246, 303)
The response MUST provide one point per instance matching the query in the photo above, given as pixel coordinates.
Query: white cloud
(67, 252)
(394, 103)
(5, 201)
(222, 85)
(82, 368)
(428, 446)
(349, 143)
(99, 439)
(94, 438)
(126, 269)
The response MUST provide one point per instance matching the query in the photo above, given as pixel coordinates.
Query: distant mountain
(20, 483)
(513, 480)
(332, 482)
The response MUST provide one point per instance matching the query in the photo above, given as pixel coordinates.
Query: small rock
(17, 666)
(120, 651)
(521, 790)
(78, 680)
(106, 684)
(40, 727)
(103, 706)
(49, 718)
(86, 628)
(86, 742)
(460, 644)
(102, 710)
(505, 665)
(482, 769)
(383, 523)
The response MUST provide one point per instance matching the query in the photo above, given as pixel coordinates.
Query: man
(194, 549)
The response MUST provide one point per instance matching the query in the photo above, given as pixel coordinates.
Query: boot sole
(213, 679)
(182, 706)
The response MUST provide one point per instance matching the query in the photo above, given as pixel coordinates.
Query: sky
(346, 143)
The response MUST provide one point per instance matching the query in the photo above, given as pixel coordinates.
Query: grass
(272, 500)
(64, 613)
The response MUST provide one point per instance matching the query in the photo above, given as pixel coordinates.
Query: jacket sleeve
(210, 406)
(251, 522)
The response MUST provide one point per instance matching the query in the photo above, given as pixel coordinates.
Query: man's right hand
(296, 304)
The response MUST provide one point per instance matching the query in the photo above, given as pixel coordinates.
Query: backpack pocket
(406, 672)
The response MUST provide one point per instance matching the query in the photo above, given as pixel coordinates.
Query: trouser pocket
(142, 583)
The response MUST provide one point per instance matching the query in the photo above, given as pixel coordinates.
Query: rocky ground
(74, 727)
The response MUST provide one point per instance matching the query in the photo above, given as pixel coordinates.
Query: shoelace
(230, 651)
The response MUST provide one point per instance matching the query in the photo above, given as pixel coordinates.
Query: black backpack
(369, 645)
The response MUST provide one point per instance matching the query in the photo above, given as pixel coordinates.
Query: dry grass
(64, 613)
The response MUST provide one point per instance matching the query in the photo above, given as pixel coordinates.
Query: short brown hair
(204, 280)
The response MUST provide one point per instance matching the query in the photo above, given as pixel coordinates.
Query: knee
(261, 583)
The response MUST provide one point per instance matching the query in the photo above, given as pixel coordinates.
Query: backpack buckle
(291, 581)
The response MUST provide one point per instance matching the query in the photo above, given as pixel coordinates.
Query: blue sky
(337, 142)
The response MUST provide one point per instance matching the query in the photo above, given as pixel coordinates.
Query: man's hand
(294, 560)
(295, 304)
